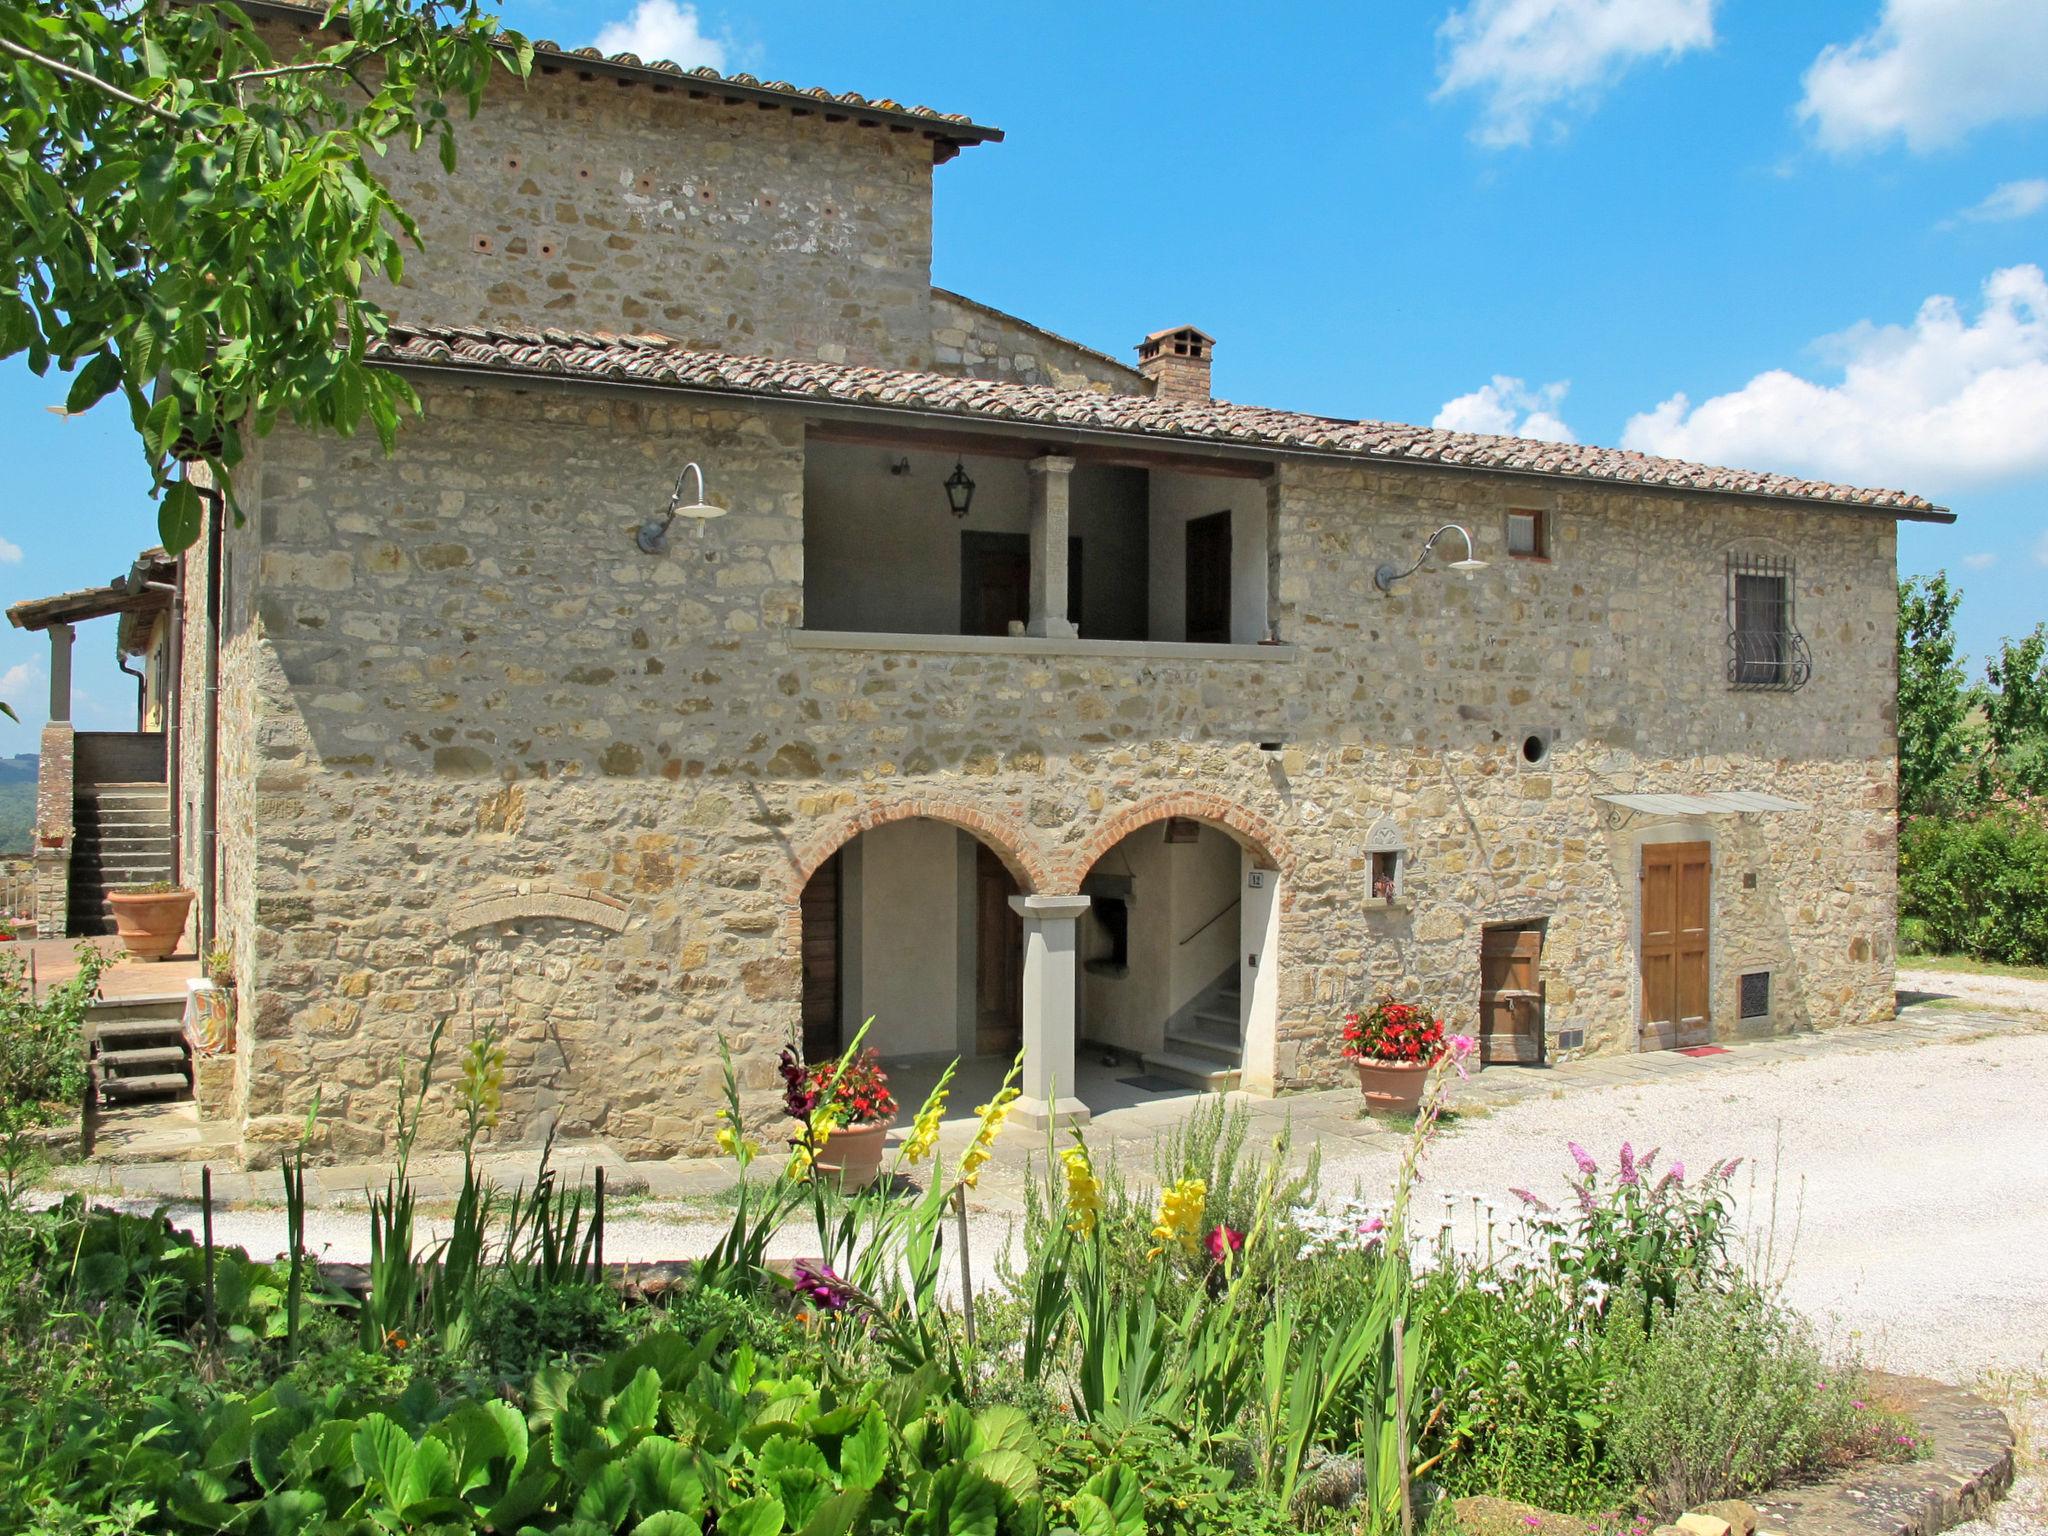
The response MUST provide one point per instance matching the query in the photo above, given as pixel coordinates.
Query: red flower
(1392, 1031)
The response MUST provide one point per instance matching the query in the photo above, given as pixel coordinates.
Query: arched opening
(909, 923)
(1179, 951)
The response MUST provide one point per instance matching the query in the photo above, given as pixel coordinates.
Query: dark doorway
(819, 907)
(1208, 579)
(995, 581)
(999, 959)
(1677, 887)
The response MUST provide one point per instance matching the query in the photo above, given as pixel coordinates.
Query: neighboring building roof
(124, 594)
(1110, 358)
(948, 131)
(654, 361)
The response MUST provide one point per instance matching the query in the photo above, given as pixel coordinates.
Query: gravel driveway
(2021, 994)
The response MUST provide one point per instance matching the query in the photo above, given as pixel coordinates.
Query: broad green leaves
(189, 220)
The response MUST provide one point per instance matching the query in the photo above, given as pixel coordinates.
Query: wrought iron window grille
(1766, 651)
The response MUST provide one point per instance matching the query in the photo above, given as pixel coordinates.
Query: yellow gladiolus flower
(1084, 1192)
(1180, 1217)
(992, 1114)
(924, 1131)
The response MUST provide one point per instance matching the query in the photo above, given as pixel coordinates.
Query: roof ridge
(600, 356)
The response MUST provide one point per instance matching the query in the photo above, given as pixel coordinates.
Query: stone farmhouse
(1015, 695)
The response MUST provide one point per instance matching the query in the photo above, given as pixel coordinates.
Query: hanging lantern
(959, 490)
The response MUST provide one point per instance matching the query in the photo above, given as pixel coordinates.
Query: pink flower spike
(1628, 1165)
(1586, 1164)
(1677, 1173)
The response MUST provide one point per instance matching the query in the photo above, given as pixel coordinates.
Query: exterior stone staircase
(1204, 1047)
(136, 1049)
(121, 836)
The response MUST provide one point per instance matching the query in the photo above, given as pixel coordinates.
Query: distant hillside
(17, 814)
(18, 769)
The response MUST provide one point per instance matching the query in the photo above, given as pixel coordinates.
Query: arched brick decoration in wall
(1007, 839)
(504, 904)
(1248, 827)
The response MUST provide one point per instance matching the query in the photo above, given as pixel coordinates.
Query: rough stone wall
(979, 342)
(238, 716)
(54, 788)
(464, 675)
(590, 206)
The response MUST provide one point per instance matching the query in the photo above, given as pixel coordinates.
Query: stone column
(60, 671)
(1050, 978)
(1051, 478)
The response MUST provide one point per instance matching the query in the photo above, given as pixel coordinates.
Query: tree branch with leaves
(190, 220)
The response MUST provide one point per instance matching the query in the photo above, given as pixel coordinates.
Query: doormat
(1152, 1082)
(1704, 1050)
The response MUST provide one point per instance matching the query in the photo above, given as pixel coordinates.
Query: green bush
(42, 1040)
(1730, 1395)
(1977, 885)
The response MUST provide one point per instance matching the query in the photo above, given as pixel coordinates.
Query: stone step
(1214, 1021)
(1200, 1047)
(128, 1062)
(136, 1021)
(1209, 1076)
(155, 1085)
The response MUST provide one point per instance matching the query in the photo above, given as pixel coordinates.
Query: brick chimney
(1177, 363)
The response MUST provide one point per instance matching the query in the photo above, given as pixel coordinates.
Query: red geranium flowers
(1391, 1031)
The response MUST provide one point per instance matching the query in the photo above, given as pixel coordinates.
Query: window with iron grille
(1756, 995)
(1765, 648)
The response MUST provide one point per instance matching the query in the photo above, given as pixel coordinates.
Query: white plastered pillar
(1050, 954)
(1051, 481)
(1259, 938)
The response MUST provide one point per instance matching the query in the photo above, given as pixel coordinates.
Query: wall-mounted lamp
(959, 490)
(1385, 577)
(652, 536)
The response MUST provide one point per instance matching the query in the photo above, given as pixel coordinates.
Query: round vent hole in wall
(1536, 747)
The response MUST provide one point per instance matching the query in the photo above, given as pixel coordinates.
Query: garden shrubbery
(1210, 1350)
(42, 1039)
(1976, 885)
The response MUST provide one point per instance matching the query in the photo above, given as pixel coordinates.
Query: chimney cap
(1184, 340)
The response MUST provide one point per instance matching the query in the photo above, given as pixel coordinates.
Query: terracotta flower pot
(1392, 1087)
(852, 1156)
(149, 925)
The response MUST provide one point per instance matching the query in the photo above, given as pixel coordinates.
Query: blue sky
(1803, 237)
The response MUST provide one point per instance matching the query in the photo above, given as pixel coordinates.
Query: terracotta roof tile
(654, 360)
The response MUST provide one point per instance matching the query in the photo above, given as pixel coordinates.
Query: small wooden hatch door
(1677, 894)
(1511, 993)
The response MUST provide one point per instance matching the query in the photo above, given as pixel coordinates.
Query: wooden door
(998, 959)
(995, 581)
(1510, 994)
(819, 907)
(1208, 579)
(1677, 892)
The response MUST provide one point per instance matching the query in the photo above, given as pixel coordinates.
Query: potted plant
(1394, 1046)
(216, 1011)
(6, 931)
(150, 919)
(855, 1101)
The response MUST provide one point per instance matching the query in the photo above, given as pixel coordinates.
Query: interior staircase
(1204, 1047)
(136, 1049)
(121, 835)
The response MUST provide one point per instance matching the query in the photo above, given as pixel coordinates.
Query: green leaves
(184, 214)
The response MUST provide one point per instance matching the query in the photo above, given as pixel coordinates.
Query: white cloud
(2009, 200)
(1929, 72)
(1944, 401)
(1981, 562)
(1531, 58)
(661, 29)
(23, 677)
(1510, 408)
(10, 552)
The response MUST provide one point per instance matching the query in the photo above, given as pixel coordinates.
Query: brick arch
(1006, 839)
(1254, 831)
